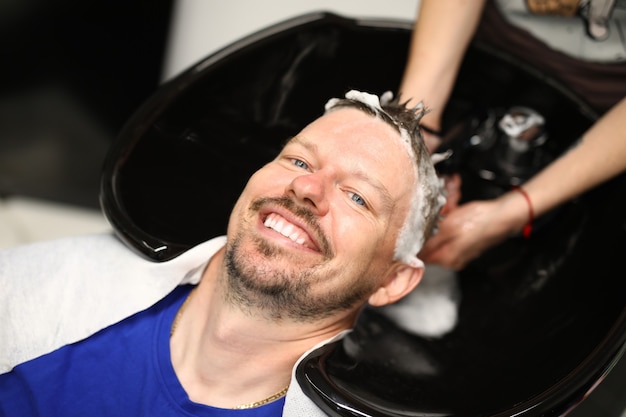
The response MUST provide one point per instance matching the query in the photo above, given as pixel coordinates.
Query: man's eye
(357, 199)
(300, 164)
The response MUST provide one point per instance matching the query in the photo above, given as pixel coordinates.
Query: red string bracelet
(528, 227)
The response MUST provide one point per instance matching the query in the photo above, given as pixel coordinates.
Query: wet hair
(429, 197)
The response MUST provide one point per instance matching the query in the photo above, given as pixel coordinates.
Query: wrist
(528, 227)
(519, 212)
(432, 131)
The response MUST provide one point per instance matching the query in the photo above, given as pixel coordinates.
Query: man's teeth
(277, 223)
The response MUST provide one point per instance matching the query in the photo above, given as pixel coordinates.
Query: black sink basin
(541, 319)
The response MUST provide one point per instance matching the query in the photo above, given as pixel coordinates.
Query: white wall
(200, 27)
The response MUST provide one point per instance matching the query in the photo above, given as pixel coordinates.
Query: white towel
(58, 292)
(432, 309)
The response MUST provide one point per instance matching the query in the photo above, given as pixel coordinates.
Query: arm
(442, 32)
(474, 227)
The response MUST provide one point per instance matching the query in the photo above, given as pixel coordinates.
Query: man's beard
(286, 293)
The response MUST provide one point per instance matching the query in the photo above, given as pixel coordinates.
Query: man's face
(314, 230)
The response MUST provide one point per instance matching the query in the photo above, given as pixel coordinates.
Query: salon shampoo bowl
(541, 321)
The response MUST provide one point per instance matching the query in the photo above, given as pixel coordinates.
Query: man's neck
(225, 357)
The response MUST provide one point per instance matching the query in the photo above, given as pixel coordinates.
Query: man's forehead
(351, 116)
(355, 131)
(350, 123)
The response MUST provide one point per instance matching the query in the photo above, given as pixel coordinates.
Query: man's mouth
(294, 222)
(281, 225)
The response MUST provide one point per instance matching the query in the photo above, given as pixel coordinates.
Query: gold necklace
(269, 399)
(255, 404)
(180, 313)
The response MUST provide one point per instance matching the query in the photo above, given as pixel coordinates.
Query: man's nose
(312, 190)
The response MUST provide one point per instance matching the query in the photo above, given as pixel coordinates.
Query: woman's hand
(468, 230)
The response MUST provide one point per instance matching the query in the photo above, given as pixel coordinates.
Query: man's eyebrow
(299, 140)
(386, 199)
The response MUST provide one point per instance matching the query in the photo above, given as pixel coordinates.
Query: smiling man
(334, 222)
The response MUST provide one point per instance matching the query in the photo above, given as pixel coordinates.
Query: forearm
(442, 31)
(470, 229)
(599, 156)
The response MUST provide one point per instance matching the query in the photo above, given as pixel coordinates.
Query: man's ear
(399, 281)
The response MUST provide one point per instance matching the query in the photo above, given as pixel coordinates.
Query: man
(334, 222)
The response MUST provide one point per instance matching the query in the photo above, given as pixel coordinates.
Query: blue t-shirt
(123, 370)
